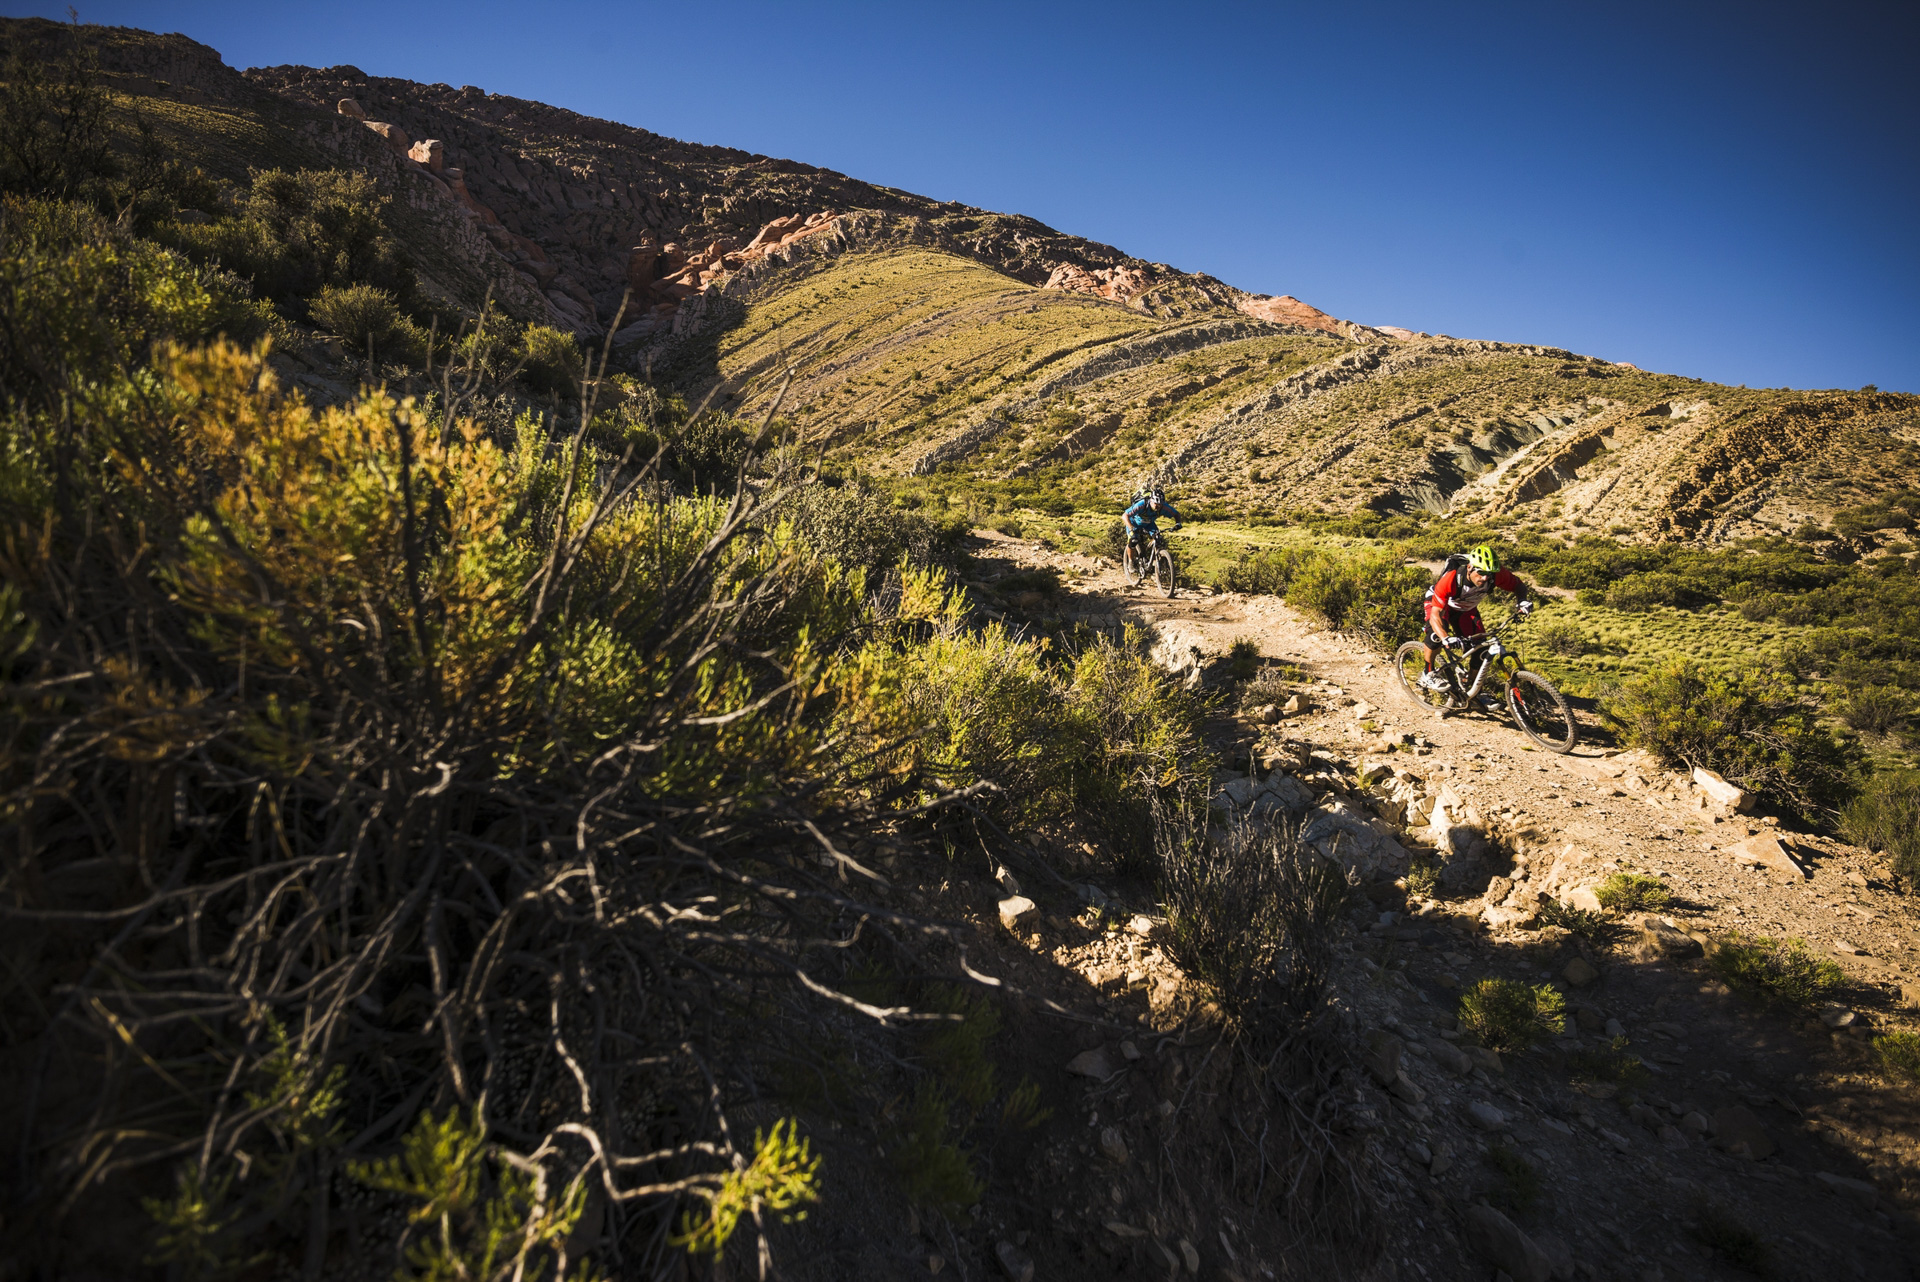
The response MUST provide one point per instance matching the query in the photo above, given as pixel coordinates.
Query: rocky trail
(1756, 1141)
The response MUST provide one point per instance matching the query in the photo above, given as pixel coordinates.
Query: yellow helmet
(1484, 559)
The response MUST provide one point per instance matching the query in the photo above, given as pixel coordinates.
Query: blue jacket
(1142, 515)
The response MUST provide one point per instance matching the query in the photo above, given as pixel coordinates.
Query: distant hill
(972, 348)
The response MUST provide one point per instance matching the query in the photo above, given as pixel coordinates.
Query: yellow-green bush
(298, 231)
(1748, 725)
(550, 362)
(370, 322)
(1507, 1015)
(1783, 971)
(1886, 817)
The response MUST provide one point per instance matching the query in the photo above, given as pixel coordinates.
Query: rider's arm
(1173, 512)
(1508, 581)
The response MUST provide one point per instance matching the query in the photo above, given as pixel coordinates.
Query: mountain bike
(1157, 560)
(1537, 708)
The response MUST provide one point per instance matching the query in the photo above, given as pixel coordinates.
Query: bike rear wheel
(1541, 712)
(1163, 572)
(1410, 663)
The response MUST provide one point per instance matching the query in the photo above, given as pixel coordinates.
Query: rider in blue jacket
(1143, 515)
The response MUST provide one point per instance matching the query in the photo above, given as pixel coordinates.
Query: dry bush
(363, 768)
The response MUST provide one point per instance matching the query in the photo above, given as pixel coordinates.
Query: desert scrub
(1507, 1015)
(549, 361)
(1626, 892)
(1786, 972)
(296, 232)
(370, 322)
(1254, 914)
(1899, 1054)
(1746, 724)
(1886, 817)
(1577, 921)
(1611, 1063)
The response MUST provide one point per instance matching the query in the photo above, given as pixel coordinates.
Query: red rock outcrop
(1121, 284)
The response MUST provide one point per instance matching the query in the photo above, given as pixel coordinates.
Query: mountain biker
(1452, 604)
(1141, 517)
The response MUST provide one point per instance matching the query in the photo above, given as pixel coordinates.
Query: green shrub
(85, 302)
(1243, 659)
(1785, 972)
(550, 361)
(935, 1171)
(1109, 543)
(1577, 921)
(298, 231)
(1011, 527)
(1899, 1053)
(1563, 639)
(1626, 892)
(1372, 593)
(1747, 725)
(1877, 709)
(1507, 1015)
(54, 135)
(1517, 1188)
(1611, 1063)
(1886, 817)
(856, 528)
(1640, 592)
(1733, 1240)
(1266, 573)
(370, 323)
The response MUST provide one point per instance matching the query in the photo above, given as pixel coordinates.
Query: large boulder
(1770, 853)
(394, 135)
(430, 152)
(351, 109)
(1355, 841)
(1499, 1242)
(1721, 793)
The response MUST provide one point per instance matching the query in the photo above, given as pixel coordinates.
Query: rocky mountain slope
(929, 338)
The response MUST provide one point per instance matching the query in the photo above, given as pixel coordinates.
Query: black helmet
(1158, 493)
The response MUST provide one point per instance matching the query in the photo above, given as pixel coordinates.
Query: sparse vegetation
(1886, 817)
(1612, 1063)
(1507, 1015)
(1899, 1053)
(1732, 1240)
(1748, 725)
(1785, 972)
(1626, 892)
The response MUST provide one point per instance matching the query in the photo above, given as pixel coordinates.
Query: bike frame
(1480, 657)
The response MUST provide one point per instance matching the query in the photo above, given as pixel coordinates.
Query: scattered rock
(1121, 1229)
(935, 1262)
(1697, 1123)
(1484, 1058)
(1404, 1089)
(1615, 1028)
(1721, 793)
(1660, 940)
(1590, 1018)
(1190, 1256)
(1579, 972)
(1168, 1258)
(1093, 1063)
(1384, 1052)
(1451, 1058)
(1294, 706)
(1129, 1052)
(1142, 925)
(1836, 1016)
(1113, 1146)
(396, 136)
(1013, 908)
(1614, 1138)
(1769, 852)
(1499, 1242)
(1014, 1262)
(1362, 710)
(1585, 899)
(1739, 1132)
(1486, 1116)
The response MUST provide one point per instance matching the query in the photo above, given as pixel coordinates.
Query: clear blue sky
(1730, 191)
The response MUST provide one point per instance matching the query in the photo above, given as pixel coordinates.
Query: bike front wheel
(1129, 565)
(1410, 664)
(1163, 572)
(1541, 712)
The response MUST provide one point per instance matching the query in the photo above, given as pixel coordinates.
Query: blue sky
(1730, 191)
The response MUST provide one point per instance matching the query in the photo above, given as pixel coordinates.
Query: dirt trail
(1619, 1179)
